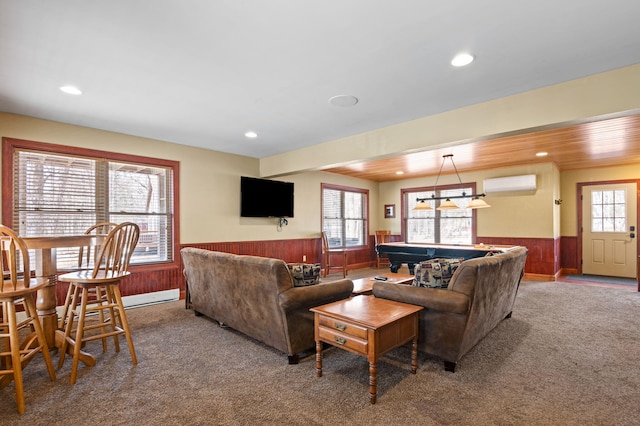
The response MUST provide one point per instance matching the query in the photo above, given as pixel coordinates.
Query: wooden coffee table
(365, 285)
(367, 326)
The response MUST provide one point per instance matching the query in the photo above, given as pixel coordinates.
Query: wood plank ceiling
(604, 143)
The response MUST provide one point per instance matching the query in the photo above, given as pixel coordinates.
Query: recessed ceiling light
(541, 154)
(399, 172)
(251, 135)
(462, 59)
(343, 100)
(71, 90)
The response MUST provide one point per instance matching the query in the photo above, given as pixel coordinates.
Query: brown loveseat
(481, 293)
(256, 296)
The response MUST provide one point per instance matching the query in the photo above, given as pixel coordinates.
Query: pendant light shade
(423, 205)
(477, 203)
(447, 204)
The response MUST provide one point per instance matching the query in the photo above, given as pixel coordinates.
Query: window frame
(365, 220)
(10, 145)
(405, 209)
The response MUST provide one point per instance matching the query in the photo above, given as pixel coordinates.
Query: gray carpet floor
(570, 355)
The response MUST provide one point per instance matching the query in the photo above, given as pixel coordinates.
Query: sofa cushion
(304, 274)
(435, 273)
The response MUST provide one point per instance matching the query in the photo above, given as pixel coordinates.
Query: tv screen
(265, 198)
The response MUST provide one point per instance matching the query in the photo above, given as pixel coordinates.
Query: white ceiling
(203, 72)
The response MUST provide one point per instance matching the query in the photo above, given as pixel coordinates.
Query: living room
(207, 196)
(209, 190)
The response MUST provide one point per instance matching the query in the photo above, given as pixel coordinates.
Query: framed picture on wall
(389, 211)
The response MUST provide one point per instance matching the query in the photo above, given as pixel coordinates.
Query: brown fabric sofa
(481, 293)
(256, 296)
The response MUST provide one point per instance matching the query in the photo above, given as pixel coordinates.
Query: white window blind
(59, 194)
(344, 216)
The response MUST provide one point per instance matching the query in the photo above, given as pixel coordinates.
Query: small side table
(367, 326)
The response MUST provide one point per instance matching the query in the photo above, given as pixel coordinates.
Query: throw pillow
(304, 274)
(435, 273)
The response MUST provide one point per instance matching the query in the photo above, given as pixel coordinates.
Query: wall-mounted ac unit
(524, 183)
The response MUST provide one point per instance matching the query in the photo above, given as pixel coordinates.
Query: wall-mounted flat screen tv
(265, 198)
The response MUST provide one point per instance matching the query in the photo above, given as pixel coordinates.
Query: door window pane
(608, 211)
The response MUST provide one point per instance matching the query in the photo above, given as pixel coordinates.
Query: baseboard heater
(514, 184)
(137, 300)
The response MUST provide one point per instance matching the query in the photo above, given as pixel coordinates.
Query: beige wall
(209, 182)
(570, 179)
(527, 216)
(307, 218)
(522, 215)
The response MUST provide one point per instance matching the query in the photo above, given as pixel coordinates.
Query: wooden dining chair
(110, 268)
(17, 288)
(381, 237)
(327, 252)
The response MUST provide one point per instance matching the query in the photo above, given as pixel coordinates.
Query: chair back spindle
(85, 253)
(14, 259)
(115, 254)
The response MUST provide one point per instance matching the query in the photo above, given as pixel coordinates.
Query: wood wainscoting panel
(291, 251)
(543, 260)
(143, 279)
(159, 277)
(569, 259)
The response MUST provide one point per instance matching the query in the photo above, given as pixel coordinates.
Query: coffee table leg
(373, 370)
(319, 358)
(414, 355)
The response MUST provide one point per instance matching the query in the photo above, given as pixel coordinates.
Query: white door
(609, 215)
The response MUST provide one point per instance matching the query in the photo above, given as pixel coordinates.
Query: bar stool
(18, 288)
(109, 270)
(86, 259)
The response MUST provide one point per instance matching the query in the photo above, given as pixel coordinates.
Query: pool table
(412, 253)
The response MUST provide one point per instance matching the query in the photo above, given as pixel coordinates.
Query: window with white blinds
(438, 226)
(344, 215)
(62, 194)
